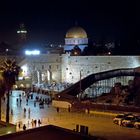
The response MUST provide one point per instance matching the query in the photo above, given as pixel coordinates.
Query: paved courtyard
(98, 125)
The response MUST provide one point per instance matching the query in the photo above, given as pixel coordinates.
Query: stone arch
(46, 76)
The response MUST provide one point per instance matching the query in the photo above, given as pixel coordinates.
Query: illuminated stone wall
(66, 68)
(43, 64)
(72, 65)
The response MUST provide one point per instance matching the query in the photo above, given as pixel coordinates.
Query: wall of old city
(72, 66)
(66, 68)
(43, 64)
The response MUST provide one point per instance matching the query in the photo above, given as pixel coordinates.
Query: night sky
(48, 21)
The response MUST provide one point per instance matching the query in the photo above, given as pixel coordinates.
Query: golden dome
(76, 32)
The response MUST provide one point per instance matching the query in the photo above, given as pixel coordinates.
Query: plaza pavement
(99, 124)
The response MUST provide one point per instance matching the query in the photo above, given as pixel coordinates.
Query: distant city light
(60, 45)
(24, 69)
(7, 50)
(22, 31)
(109, 53)
(33, 52)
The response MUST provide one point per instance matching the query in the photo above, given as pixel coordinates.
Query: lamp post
(80, 94)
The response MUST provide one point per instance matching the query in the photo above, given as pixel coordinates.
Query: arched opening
(46, 76)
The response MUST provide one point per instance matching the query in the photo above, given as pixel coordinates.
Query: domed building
(75, 36)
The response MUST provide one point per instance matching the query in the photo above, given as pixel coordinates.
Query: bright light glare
(34, 52)
(24, 68)
(9, 132)
(22, 31)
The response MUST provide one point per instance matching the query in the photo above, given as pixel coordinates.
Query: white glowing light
(135, 62)
(9, 132)
(22, 31)
(109, 53)
(24, 68)
(34, 52)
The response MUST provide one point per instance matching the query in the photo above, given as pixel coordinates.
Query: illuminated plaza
(65, 119)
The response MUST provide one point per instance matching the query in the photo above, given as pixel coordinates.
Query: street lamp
(80, 94)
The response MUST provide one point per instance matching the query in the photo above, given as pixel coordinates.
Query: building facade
(76, 36)
(66, 68)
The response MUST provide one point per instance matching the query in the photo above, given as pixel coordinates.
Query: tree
(9, 71)
(2, 90)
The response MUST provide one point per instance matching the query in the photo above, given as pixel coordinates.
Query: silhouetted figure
(27, 101)
(24, 110)
(17, 101)
(19, 125)
(32, 122)
(39, 122)
(11, 111)
(20, 101)
(57, 109)
(35, 122)
(24, 127)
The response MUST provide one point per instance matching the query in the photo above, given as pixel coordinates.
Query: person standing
(35, 122)
(17, 101)
(32, 122)
(27, 101)
(19, 125)
(24, 127)
(24, 110)
(57, 109)
(11, 111)
(20, 101)
(39, 122)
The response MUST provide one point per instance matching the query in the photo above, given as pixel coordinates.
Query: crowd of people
(33, 123)
(24, 100)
